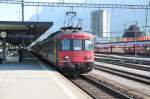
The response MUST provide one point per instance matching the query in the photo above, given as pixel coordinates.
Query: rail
(99, 90)
(125, 74)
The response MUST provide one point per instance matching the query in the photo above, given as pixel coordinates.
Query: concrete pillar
(4, 50)
(3, 34)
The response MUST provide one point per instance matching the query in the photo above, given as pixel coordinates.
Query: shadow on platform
(26, 64)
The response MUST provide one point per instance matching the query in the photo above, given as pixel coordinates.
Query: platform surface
(131, 70)
(31, 79)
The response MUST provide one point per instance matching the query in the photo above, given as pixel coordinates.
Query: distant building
(133, 31)
(100, 23)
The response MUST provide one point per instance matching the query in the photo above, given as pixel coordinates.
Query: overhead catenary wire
(83, 5)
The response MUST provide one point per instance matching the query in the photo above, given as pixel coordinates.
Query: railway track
(96, 89)
(125, 74)
(123, 63)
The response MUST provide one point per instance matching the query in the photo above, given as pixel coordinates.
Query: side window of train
(58, 44)
(51, 47)
(47, 47)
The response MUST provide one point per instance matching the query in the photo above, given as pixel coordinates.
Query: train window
(88, 45)
(65, 44)
(58, 44)
(77, 44)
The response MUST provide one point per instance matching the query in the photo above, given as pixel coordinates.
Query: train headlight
(87, 57)
(66, 57)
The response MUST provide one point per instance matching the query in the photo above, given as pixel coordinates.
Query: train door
(55, 51)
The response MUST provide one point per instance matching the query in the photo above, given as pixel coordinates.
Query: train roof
(122, 43)
(104, 45)
(67, 34)
(119, 43)
(75, 35)
(145, 42)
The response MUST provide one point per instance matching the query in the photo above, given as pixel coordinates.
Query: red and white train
(70, 51)
(131, 47)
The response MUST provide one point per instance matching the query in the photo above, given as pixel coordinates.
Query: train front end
(76, 54)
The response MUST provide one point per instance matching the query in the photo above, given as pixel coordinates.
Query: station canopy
(23, 32)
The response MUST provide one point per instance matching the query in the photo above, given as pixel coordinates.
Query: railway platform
(32, 79)
(129, 58)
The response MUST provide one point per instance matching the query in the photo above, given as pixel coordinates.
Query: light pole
(22, 8)
(135, 37)
(124, 36)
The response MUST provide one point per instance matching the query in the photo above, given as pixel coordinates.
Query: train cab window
(77, 44)
(65, 44)
(89, 45)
